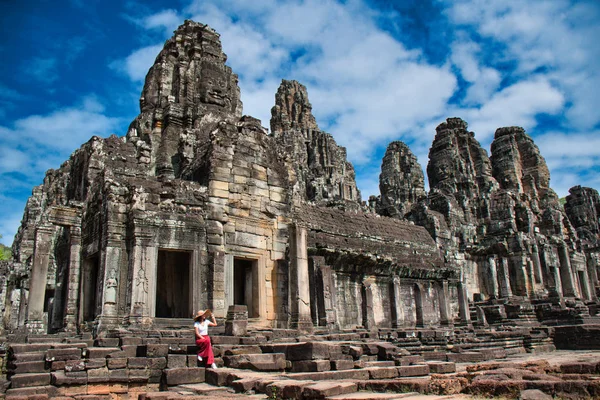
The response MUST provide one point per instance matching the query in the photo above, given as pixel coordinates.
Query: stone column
(463, 304)
(398, 315)
(493, 277)
(327, 310)
(585, 286)
(71, 314)
(143, 282)
(529, 275)
(566, 273)
(39, 277)
(592, 268)
(504, 279)
(299, 280)
(442, 291)
(368, 311)
(537, 265)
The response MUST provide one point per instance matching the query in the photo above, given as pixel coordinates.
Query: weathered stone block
(383, 372)
(116, 363)
(107, 342)
(257, 362)
(181, 376)
(340, 365)
(63, 354)
(322, 390)
(98, 375)
(311, 366)
(93, 363)
(28, 367)
(138, 363)
(413, 370)
(101, 352)
(28, 380)
(60, 378)
(441, 367)
(312, 351)
(157, 350)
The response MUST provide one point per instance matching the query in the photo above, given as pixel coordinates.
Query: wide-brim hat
(202, 313)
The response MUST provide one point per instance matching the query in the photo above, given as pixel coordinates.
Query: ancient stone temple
(198, 207)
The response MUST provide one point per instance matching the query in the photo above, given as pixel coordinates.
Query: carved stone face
(213, 87)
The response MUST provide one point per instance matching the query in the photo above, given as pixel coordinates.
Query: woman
(201, 324)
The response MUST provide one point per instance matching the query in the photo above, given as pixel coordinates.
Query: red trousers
(205, 350)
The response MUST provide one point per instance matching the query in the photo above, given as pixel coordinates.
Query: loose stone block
(413, 370)
(311, 366)
(181, 376)
(441, 367)
(63, 354)
(28, 380)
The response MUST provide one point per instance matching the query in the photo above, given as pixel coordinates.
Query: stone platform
(386, 364)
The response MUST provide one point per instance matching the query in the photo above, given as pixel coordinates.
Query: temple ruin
(198, 206)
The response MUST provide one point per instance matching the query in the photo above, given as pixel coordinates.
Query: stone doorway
(245, 285)
(89, 288)
(173, 284)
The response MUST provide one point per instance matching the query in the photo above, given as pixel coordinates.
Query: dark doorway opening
(245, 286)
(173, 284)
(90, 288)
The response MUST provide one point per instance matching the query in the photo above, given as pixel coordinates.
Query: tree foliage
(4, 251)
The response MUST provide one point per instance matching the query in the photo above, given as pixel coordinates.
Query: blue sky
(376, 71)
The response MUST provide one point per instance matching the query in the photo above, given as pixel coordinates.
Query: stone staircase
(162, 362)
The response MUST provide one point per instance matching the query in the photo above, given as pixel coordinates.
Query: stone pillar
(493, 277)
(72, 312)
(236, 323)
(109, 294)
(585, 286)
(537, 265)
(504, 279)
(529, 275)
(39, 277)
(299, 280)
(143, 282)
(463, 304)
(566, 273)
(592, 269)
(327, 300)
(442, 291)
(367, 306)
(398, 314)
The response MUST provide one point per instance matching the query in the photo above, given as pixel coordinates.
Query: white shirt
(202, 327)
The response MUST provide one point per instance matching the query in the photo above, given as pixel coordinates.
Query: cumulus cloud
(557, 38)
(39, 140)
(515, 105)
(137, 64)
(368, 87)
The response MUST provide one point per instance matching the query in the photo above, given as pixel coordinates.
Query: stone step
(26, 392)
(26, 367)
(27, 357)
(372, 396)
(29, 380)
(257, 362)
(322, 390)
(200, 388)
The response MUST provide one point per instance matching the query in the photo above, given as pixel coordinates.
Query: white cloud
(166, 19)
(38, 142)
(483, 81)
(137, 64)
(557, 38)
(516, 105)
